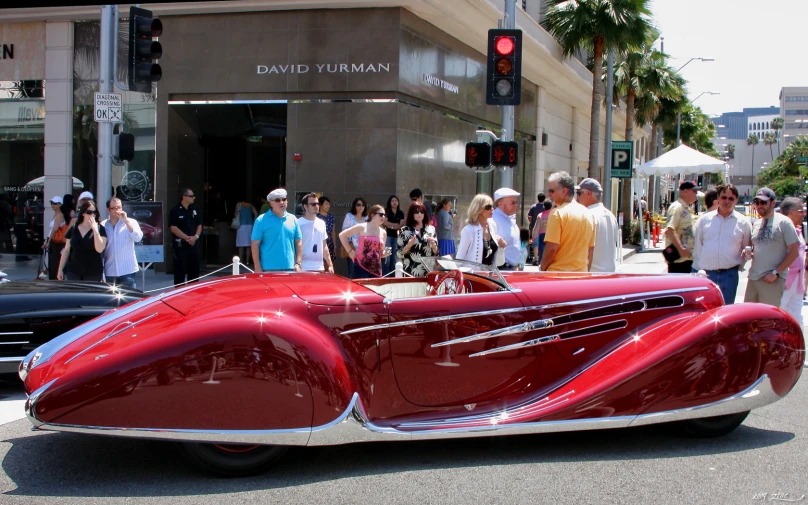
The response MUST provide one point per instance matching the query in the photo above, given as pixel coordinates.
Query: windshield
(467, 267)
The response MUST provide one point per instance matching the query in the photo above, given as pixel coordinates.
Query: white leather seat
(399, 290)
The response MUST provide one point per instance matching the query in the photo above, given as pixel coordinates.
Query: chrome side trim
(12, 359)
(581, 332)
(757, 395)
(353, 425)
(15, 343)
(509, 330)
(451, 317)
(30, 405)
(118, 329)
(17, 333)
(518, 345)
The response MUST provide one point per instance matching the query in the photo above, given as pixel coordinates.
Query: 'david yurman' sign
(324, 68)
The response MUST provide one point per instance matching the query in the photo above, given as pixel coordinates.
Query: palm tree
(752, 140)
(777, 125)
(641, 78)
(731, 151)
(769, 139)
(597, 26)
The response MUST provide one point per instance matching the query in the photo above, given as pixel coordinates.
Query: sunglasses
(55, 203)
(89, 212)
(759, 202)
(190, 196)
(360, 204)
(381, 214)
(418, 212)
(279, 200)
(488, 207)
(313, 204)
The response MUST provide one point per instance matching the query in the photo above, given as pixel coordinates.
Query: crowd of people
(82, 247)
(569, 231)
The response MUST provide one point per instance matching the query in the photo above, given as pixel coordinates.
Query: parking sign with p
(622, 159)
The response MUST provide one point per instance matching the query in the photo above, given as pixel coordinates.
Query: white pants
(792, 301)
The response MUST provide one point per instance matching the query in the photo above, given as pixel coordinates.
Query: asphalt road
(765, 460)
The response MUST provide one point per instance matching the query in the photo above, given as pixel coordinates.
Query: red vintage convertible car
(239, 368)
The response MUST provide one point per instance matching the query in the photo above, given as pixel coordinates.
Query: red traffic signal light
(478, 154)
(504, 76)
(504, 154)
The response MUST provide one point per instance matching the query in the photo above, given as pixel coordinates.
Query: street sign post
(108, 108)
(622, 159)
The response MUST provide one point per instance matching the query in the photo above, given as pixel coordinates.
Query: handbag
(235, 223)
(343, 253)
(671, 253)
(59, 234)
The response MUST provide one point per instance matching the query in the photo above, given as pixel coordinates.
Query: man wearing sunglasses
(185, 222)
(315, 237)
(775, 246)
(277, 243)
(720, 238)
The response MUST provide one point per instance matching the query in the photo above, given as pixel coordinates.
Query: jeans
(727, 282)
(127, 280)
(389, 263)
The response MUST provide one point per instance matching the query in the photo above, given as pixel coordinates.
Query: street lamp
(679, 116)
(696, 58)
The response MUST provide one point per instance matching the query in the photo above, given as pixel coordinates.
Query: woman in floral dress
(416, 240)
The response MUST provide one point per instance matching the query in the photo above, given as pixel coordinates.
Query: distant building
(739, 125)
(794, 104)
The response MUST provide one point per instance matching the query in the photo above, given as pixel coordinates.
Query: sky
(758, 48)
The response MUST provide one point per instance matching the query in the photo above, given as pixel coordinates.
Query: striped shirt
(720, 240)
(119, 255)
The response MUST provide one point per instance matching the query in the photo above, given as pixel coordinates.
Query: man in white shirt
(120, 262)
(604, 255)
(507, 202)
(720, 238)
(315, 247)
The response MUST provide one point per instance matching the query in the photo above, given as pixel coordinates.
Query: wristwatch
(299, 265)
(196, 236)
(775, 272)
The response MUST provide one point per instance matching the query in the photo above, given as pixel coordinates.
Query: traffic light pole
(106, 78)
(506, 178)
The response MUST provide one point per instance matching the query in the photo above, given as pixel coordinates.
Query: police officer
(186, 225)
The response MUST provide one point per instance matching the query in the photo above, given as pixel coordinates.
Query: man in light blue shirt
(276, 241)
(123, 232)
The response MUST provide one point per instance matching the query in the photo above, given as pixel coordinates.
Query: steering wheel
(451, 288)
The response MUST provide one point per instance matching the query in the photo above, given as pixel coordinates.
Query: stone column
(58, 112)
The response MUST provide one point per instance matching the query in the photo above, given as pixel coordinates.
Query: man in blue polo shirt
(277, 243)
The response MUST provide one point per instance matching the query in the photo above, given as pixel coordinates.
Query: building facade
(344, 102)
(794, 104)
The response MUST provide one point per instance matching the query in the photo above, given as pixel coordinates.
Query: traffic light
(143, 71)
(504, 154)
(504, 76)
(123, 146)
(478, 154)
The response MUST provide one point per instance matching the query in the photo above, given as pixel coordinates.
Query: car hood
(27, 296)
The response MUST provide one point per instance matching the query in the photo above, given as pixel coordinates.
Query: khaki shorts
(760, 291)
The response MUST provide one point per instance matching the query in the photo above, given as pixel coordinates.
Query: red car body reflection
(272, 360)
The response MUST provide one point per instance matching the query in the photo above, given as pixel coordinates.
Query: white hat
(503, 192)
(57, 199)
(277, 193)
(86, 194)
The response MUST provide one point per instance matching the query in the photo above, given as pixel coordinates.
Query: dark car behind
(34, 312)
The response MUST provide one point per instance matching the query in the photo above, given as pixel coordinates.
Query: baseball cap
(765, 194)
(86, 194)
(688, 185)
(503, 192)
(590, 184)
(57, 199)
(276, 193)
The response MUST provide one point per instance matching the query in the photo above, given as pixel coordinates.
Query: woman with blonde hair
(479, 240)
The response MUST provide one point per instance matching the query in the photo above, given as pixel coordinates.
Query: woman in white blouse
(479, 240)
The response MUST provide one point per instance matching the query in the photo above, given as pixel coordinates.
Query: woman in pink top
(370, 251)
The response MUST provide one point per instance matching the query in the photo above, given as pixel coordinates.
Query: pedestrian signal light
(504, 154)
(503, 85)
(143, 51)
(478, 154)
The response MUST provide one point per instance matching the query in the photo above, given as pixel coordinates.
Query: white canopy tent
(682, 160)
(40, 181)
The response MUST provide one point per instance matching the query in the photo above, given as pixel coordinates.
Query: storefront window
(22, 165)
(134, 180)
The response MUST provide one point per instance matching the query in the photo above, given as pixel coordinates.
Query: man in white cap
(277, 243)
(186, 225)
(604, 255)
(85, 196)
(507, 203)
(570, 237)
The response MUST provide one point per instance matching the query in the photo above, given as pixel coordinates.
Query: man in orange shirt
(570, 236)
